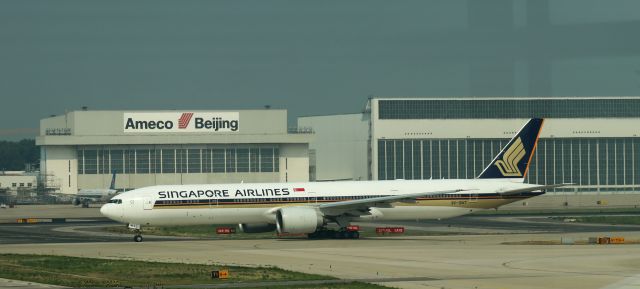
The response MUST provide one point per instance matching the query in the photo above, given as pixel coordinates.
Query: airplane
(312, 207)
(86, 196)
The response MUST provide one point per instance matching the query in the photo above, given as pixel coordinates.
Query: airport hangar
(592, 142)
(81, 149)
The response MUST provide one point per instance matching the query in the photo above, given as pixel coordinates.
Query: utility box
(220, 274)
(616, 240)
(224, 274)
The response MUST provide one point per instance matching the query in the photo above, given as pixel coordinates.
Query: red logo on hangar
(184, 120)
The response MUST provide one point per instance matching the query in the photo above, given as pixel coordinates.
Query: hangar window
(142, 161)
(130, 161)
(266, 160)
(206, 161)
(194, 161)
(103, 161)
(242, 160)
(218, 157)
(168, 161)
(507, 108)
(181, 161)
(230, 160)
(253, 160)
(90, 161)
(80, 158)
(117, 161)
(156, 161)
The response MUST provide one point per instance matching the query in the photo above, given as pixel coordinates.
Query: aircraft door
(473, 198)
(147, 203)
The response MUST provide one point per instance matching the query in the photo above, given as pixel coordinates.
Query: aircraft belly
(213, 216)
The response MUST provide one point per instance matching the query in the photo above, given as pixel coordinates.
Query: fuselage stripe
(319, 200)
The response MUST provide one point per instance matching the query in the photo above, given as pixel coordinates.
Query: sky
(309, 57)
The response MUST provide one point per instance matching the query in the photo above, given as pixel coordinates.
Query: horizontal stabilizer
(531, 189)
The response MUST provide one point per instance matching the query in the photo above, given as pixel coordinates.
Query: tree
(14, 155)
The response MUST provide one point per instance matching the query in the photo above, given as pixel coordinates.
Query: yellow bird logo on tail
(508, 165)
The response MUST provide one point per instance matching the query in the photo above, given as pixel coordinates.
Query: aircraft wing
(362, 206)
(531, 189)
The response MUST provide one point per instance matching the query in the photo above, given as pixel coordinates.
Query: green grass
(351, 285)
(613, 220)
(89, 272)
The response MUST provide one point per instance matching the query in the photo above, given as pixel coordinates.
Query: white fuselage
(257, 202)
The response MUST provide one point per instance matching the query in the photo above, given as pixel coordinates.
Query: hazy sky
(310, 57)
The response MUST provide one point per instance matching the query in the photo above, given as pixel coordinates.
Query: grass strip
(91, 272)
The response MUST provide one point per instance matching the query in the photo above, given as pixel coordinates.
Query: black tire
(137, 238)
(356, 235)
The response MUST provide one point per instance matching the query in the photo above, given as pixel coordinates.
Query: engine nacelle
(298, 220)
(257, 228)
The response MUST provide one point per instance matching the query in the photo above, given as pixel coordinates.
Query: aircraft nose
(107, 211)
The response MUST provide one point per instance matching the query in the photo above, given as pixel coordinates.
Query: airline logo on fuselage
(508, 165)
(224, 193)
(151, 122)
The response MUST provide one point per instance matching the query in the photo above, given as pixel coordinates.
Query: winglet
(113, 181)
(514, 159)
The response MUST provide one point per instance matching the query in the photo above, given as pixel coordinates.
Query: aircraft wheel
(137, 238)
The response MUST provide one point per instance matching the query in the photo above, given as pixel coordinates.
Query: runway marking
(509, 264)
(627, 283)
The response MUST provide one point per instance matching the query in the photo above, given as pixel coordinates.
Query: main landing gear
(333, 234)
(138, 233)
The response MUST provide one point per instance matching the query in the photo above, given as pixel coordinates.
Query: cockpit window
(115, 201)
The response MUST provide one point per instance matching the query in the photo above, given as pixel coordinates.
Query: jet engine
(298, 220)
(257, 228)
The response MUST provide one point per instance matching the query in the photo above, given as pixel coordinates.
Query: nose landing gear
(138, 232)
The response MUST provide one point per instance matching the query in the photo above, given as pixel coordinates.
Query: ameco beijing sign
(158, 122)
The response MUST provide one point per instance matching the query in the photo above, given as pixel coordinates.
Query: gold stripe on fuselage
(479, 203)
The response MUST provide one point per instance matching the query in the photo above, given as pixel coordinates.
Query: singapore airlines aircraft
(86, 196)
(308, 208)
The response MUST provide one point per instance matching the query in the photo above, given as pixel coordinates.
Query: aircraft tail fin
(113, 181)
(513, 161)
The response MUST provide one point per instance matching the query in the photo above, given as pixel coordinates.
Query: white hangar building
(81, 149)
(592, 142)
